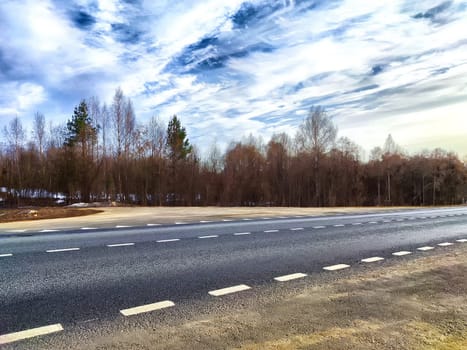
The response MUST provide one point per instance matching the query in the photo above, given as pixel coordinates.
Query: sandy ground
(142, 215)
(402, 303)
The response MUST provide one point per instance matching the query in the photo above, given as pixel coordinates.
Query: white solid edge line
(61, 250)
(242, 233)
(147, 308)
(30, 333)
(297, 229)
(425, 248)
(211, 236)
(372, 259)
(119, 245)
(229, 290)
(269, 231)
(401, 253)
(463, 240)
(445, 244)
(336, 267)
(5, 255)
(168, 240)
(290, 277)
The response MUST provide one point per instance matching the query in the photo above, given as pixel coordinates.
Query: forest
(103, 154)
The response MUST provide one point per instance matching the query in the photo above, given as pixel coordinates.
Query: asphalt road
(69, 277)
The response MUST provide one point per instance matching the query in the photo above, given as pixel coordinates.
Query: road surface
(53, 280)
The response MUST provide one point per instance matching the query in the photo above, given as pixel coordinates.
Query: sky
(229, 68)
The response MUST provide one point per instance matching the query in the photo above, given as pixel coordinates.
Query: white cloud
(20, 99)
(323, 56)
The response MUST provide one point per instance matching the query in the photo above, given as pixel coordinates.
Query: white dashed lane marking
(88, 228)
(270, 231)
(120, 245)
(168, 240)
(227, 220)
(336, 267)
(61, 250)
(247, 219)
(229, 290)
(445, 244)
(318, 227)
(5, 255)
(122, 226)
(425, 248)
(296, 229)
(180, 223)
(153, 224)
(16, 231)
(30, 333)
(147, 308)
(357, 223)
(242, 233)
(290, 277)
(373, 222)
(205, 221)
(401, 253)
(339, 225)
(210, 236)
(372, 259)
(49, 230)
(463, 240)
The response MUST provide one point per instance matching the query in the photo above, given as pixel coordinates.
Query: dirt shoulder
(404, 304)
(70, 217)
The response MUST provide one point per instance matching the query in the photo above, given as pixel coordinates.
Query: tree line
(104, 154)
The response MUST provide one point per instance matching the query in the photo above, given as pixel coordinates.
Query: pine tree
(79, 144)
(178, 149)
(178, 145)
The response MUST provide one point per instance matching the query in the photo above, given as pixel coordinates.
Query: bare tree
(15, 135)
(118, 115)
(317, 135)
(39, 131)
